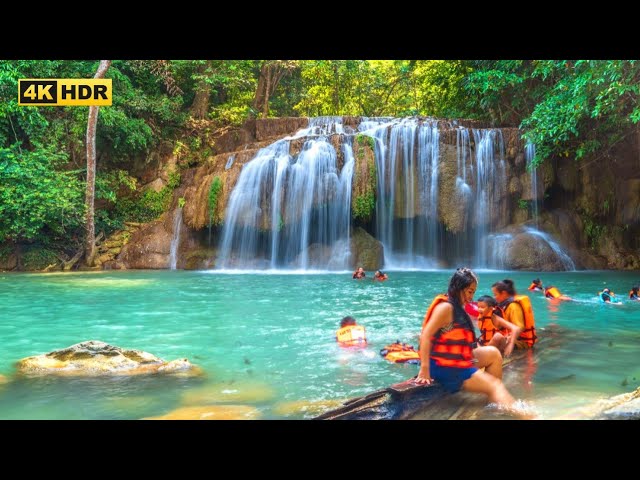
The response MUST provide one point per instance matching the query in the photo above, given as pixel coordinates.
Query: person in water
(380, 276)
(554, 294)
(608, 296)
(495, 331)
(350, 334)
(536, 285)
(517, 310)
(446, 345)
(359, 274)
(633, 294)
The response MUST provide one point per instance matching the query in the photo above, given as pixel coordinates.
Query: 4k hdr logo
(59, 92)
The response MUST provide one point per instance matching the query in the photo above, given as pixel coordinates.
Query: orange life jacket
(535, 286)
(400, 353)
(351, 335)
(452, 348)
(552, 292)
(528, 334)
(488, 329)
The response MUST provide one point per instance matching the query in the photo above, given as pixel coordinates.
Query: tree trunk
(200, 105)
(90, 241)
(258, 104)
(271, 73)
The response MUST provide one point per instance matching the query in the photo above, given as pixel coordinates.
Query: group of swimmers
(449, 350)
(379, 276)
(606, 295)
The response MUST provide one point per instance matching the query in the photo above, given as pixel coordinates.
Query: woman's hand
(423, 378)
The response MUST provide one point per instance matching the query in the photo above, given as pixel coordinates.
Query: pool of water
(266, 341)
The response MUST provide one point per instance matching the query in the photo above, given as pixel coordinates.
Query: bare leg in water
(492, 387)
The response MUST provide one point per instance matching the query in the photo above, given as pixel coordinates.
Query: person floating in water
(359, 274)
(633, 294)
(536, 285)
(607, 296)
(517, 310)
(446, 346)
(351, 334)
(399, 352)
(380, 276)
(495, 331)
(554, 294)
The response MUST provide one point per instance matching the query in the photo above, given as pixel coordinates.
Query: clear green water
(265, 340)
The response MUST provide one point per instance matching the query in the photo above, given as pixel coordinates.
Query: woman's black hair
(536, 281)
(505, 285)
(489, 300)
(461, 279)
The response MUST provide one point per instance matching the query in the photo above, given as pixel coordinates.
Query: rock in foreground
(95, 358)
(211, 412)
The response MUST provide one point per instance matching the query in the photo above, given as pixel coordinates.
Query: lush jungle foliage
(567, 108)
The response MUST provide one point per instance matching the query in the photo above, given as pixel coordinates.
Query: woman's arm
(442, 315)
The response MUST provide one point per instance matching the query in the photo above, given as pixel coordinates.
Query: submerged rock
(94, 358)
(229, 393)
(210, 412)
(307, 408)
(622, 407)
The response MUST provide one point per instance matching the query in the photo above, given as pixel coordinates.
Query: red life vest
(451, 347)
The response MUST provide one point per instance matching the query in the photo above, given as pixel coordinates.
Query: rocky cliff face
(591, 208)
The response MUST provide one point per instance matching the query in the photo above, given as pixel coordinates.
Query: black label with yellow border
(61, 92)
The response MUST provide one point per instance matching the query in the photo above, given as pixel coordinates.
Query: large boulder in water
(529, 252)
(526, 249)
(366, 251)
(93, 358)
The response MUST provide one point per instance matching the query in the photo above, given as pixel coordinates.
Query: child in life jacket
(350, 334)
(495, 331)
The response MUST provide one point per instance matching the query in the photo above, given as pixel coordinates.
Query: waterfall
(499, 245)
(175, 241)
(290, 211)
(293, 210)
(565, 259)
(489, 176)
(530, 153)
(407, 161)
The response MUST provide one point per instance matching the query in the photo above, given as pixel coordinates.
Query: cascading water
(407, 156)
(175, 241)
(291, 212)
(498, 252)
(529, 154)
(490, 175)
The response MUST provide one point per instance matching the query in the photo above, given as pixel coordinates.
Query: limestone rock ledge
(96, 358)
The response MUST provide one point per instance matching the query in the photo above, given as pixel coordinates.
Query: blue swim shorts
(449, 377)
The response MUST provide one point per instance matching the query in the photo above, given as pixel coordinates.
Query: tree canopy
(568, 108)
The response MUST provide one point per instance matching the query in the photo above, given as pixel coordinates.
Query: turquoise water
(266, 341)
